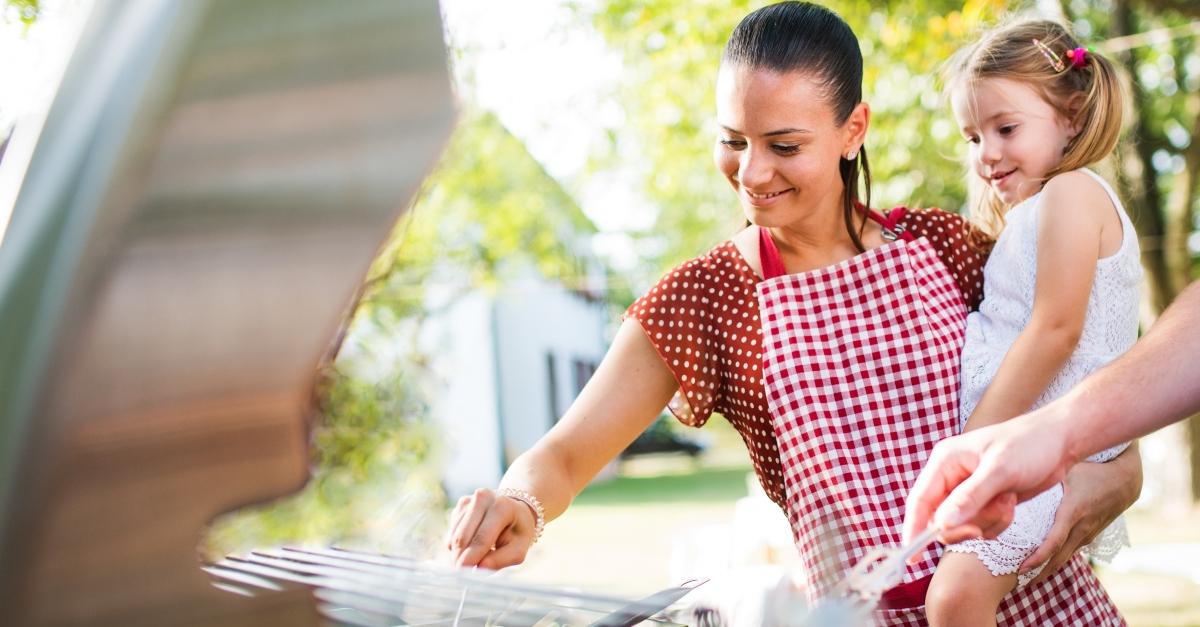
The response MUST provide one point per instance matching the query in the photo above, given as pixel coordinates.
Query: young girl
(1061, 287)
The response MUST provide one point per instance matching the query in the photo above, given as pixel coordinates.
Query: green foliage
(488, 209)
(487, 212)
(365, 425)
(25, 10)
(372, 480)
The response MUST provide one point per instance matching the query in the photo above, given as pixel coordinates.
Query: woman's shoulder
(944, 229)
(961, 245)
(721, 274)
(723, 262)
(929, 218)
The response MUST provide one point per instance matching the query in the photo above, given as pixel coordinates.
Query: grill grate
(364, 589)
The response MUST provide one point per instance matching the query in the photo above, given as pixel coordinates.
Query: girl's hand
(490, 531)
(1093, 496)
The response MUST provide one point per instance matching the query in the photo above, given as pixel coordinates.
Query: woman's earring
(852, 155)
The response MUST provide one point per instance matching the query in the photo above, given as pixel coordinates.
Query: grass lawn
(618, 537)
(703, 485)
(1157, 600)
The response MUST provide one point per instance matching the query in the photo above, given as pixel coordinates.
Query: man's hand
(973, 481)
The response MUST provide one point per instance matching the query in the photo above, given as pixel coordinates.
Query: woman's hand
(490, 531)
(1093, 496)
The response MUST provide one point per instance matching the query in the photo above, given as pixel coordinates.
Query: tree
(486, 213)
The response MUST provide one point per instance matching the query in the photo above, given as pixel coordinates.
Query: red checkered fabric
(860, 361)
(702, 317)
(1072, 597)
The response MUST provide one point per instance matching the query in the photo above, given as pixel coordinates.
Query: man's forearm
(1156, 383)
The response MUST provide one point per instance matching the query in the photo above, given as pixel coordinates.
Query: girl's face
(1016, 138)
(779, 144)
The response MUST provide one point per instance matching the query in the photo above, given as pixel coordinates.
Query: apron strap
(772, 263)
(768, 255)
(890, 223)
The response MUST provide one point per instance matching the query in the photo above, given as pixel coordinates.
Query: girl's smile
(1016, 138)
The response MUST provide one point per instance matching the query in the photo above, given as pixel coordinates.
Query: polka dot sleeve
(961, 245)
(676, 316)
(702, 317)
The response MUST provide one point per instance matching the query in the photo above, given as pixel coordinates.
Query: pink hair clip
(1054, 59)
(1078, 57)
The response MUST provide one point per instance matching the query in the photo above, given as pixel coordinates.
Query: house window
(552, 388)
(583, 372)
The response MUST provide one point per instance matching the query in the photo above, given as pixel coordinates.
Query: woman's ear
(856, 128)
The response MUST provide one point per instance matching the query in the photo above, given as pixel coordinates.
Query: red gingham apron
(860, 364)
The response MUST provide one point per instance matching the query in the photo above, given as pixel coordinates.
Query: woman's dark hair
(805, 37)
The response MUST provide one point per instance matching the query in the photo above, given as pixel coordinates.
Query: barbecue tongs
(882, 569)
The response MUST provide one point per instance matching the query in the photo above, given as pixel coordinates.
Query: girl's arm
(627, 392)
(1070, 224)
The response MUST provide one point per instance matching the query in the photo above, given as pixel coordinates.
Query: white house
(505, 367)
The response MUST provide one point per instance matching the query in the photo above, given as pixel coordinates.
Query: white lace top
(1109, 329)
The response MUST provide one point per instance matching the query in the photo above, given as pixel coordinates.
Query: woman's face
(779, 144)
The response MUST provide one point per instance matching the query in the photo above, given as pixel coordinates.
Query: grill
(355, 588)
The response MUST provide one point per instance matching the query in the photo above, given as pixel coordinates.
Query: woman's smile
(780, 146)
(765, 198)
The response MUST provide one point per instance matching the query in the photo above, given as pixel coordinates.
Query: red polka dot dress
(840, 381)
(703, 318)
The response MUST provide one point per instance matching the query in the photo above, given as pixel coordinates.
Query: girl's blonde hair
(1089, 94)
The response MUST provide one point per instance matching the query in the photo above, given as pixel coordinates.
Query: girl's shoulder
(1081, 191)
(1081, 179)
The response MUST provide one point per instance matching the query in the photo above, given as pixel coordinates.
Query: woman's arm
(627, 392)
(1093, 496)
(1070, 224)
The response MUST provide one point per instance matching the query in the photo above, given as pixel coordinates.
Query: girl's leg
(964, 592)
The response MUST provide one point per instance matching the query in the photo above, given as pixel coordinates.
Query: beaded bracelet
(534, 504)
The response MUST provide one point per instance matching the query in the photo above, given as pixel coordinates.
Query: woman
(828, 335)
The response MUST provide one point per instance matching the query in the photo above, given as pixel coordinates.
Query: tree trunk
(1165, 254)
(1179, 207)
(1137, 178)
